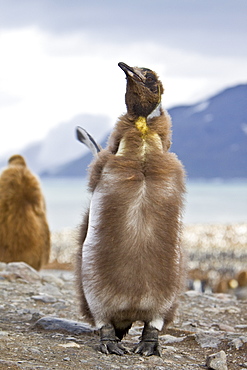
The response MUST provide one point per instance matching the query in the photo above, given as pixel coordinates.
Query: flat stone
(192, 293)
(3, 334)
(217, 361)
(210, 340)
(50, 289)
(51, 279)
(20, 270)
(69, 326)
(44, 298)
(8, 364)
(243, 326)
(70, 345)
(238, 342)
(225, 327)
(66, 359)
(171, 339)
(241, 293)
(59, 305)
(3, 266)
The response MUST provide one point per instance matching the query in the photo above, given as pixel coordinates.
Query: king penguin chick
(24, 231)
(131, 266)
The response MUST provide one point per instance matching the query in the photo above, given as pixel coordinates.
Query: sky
(58, 58)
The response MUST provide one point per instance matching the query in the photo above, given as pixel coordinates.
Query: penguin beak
(133, 72)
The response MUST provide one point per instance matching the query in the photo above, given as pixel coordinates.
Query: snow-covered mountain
(209, 137)
(60, 145)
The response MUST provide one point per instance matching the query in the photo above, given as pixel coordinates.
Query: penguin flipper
(84, 137)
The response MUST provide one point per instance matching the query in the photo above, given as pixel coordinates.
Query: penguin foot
(147, 349)
(149, 344)
(113, 348)
(109, 343)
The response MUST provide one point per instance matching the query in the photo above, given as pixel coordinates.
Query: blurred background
(58, 69)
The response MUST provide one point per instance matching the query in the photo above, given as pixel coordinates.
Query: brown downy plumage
(130, 266)
(24, 232)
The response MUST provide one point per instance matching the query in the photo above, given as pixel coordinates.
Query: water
(206, 201)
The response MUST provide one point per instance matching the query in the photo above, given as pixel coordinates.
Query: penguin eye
(149, 79)
(151, 82)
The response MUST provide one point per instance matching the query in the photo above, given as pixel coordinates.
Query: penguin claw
(148, 348)
(112, 348)
(109, 343)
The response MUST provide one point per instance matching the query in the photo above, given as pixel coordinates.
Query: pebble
(3, 334)
(66, 358)
(70, 345)
(225, 327)
(217, 361)
(169, 349)
(3, 266)
(34, 351)
(59, 305)
(50, 289)
(171, 339)
(210, 340)
(241, 293)
(238, 342)
(44, 298)
(241, 326)
(192, 293)
(51, 279)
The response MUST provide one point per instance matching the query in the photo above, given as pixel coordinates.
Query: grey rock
(67, 276)
(241, 293)
(171, 339)
(217, 361)
(69, 326)
(3, 266)
(34, 351)
(192, 293)
(238, 342)
(20, 270)
(225, 327)
(66, 358)
(3, 334)
(9, 363)
(51, 279)
(35, 316)
(71, 338)
(59, 305)
(169, 349)
(243, 326)
(50, 289)
(44, 298)
(211, 340)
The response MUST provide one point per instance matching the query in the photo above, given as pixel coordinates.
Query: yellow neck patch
(141, 125)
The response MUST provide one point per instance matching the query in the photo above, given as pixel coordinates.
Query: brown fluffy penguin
(130, 265)
(24, 232)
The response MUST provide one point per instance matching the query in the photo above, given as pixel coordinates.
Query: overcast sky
(59, 58)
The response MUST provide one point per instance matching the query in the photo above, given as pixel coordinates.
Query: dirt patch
(206, 324)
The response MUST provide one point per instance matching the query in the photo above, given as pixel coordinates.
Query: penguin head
(144, 90)
(16, 160)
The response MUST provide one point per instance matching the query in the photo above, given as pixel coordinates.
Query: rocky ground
(41, 328)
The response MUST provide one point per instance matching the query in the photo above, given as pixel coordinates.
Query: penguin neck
(156, 112)
(141, 125)
(141, 121)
